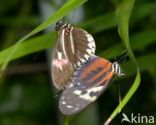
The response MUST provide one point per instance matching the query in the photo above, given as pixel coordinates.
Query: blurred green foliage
(26, 95)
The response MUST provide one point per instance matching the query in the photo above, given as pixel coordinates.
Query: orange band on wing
(104, 64)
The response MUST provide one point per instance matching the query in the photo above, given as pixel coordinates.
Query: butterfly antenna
(74, 13)
(36, 56)
(123, 56)
(64, 19)
(119, 96)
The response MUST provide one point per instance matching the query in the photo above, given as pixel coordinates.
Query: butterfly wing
(78, 45)
(91, 79)
(74, 46)
(84, 45)
(61, 68)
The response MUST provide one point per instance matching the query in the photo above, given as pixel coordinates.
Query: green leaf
(138, 42)
(123, 14)
(103, 22)
(143, 62)
(46, 41)
(108, 20)
(29, 46)
(69, 6)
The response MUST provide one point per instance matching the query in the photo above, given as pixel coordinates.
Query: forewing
(61, 68)
(79, 45)
(83, 42)
(74, 47)
(90, 81)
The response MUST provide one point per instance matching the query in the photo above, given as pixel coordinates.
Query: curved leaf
(69, 6)
(46, 41)
(123, 14)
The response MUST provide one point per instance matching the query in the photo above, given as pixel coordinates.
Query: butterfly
(74, 46)
(89, 82)
(76, 69)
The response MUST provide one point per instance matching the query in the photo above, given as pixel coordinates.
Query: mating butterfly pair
(76, 69)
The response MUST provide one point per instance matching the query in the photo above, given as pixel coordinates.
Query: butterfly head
(62, 24)
(117, 69)
(59, 24)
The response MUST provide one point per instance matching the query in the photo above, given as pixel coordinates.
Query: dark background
(27, 96)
